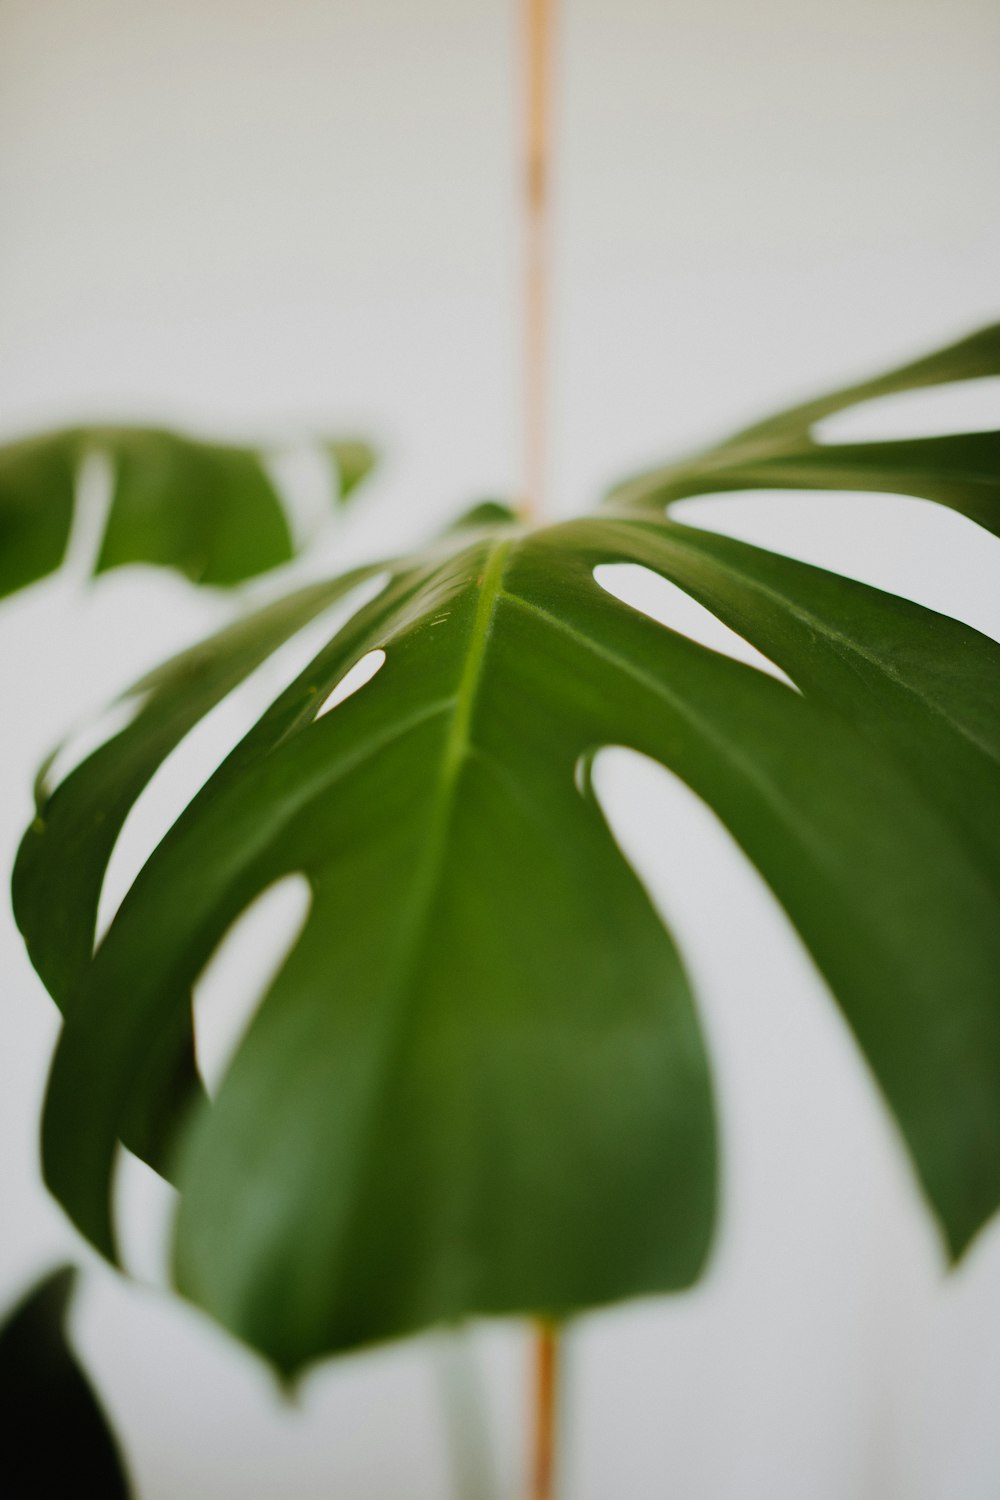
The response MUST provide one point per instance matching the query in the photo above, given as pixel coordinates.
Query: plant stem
(537, 42)
(470, 1448)
(538, 25)
(544, 1414)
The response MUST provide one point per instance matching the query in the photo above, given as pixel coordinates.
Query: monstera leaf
(207, 510)
(478, 1083)
(56, 1438)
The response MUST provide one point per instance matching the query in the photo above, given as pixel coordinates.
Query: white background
(275, 217)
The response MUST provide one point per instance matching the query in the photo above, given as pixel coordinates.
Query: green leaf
(209, 511)
(961, 471)
(479, 1084)
(439, 1098)
(37, 483)
(56, 1438)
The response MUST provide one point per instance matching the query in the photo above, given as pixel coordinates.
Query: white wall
(247, 215)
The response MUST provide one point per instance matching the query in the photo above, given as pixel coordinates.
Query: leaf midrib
(457, 748)
(457, 743)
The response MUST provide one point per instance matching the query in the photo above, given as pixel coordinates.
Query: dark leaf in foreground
(56, 1438)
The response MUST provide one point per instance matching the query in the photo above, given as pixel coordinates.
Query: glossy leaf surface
(208, 510)
(478, 1083)
(56, 1437)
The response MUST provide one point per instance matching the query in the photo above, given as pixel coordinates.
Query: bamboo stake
(544, 1416)
(538, 25)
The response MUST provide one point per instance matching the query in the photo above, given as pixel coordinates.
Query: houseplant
(417, 1075)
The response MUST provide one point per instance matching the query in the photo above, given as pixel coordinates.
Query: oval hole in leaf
(242, 970)
(188, 767)
(82, 743)
(668, 604)
(945, 563)
(809, 1147)
(302, 475)
(94, 491)
(144, 1207)
(965, 406)
(355, 678)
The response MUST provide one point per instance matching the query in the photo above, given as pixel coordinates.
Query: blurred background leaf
(210, 511)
